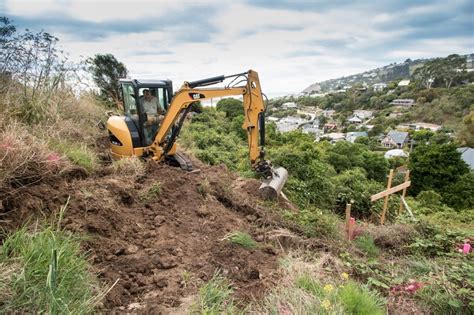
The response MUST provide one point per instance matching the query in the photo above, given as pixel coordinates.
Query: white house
(395, 153)
(404, 102)
(352, 136)
(378, 87)
(289, 105)
(404, 83)
(355, 120)
(363, 114)
(328, 112)
(289, 123)
(422, 125)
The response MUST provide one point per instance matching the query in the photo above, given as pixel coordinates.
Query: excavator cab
(144, 103)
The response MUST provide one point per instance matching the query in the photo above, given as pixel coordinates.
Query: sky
(291, 44)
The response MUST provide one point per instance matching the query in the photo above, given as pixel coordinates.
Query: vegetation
(215, 297)
(45, 270)
(106, 71)
(242, 239)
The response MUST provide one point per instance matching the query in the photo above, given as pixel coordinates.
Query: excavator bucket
(271, 188)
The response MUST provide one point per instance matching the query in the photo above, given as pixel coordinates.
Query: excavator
(151, 131)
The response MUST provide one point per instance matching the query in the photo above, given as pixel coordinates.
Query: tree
(466, 134)
(106, 71)
(435, 166)
(231, 107)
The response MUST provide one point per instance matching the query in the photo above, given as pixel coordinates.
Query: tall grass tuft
(242, 239)
(215, 297)
(360, 300)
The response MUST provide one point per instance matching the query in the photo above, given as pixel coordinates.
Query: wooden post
(348, 218)
(385, 202)
(407, 178)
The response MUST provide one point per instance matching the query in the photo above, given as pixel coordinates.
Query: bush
(366, 244)
(78, 154)
(316, 223)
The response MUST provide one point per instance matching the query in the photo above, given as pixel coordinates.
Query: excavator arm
(253, 108)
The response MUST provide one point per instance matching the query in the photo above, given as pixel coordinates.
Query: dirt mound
(161, 236)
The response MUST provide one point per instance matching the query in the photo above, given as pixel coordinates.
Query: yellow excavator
(154, 117)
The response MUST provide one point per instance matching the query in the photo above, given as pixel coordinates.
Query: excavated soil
(160, 247)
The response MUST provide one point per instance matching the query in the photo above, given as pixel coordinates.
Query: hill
(392, 72)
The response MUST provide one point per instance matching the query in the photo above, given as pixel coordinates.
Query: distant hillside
(391, 72)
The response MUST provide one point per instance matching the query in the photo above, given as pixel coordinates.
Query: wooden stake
(407, 178)
(385, 202)
(348, 218)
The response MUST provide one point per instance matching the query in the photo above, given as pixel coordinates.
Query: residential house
(395, 139)
(289, 123)
(421, 126)
(328, 112)
(273, 119)
(289, 105)
(329, 127)
(403, 83)
(378, 87)
(352, 136)
(467, 154)
(363, 114)
(335, 136)
(395, 153)
(355, 120)
(404, 102)
(311, 128)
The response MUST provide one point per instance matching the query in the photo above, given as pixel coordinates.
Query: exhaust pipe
(271, 188)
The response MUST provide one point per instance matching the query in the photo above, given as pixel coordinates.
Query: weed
(215, 297)
(310, 285)
(203, 188)
(242, 239)
(186, 278)
(366, 244)
(129, 166)
(360, 300)
(153, 191)
(79, 154)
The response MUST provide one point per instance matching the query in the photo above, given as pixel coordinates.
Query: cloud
(290, 43)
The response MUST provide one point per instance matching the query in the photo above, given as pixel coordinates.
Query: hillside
(385, 74)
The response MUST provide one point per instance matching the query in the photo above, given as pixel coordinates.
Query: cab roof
(144, 83)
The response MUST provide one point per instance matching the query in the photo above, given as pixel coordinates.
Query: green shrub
(366, 244)
(316, 222)
(360, 300)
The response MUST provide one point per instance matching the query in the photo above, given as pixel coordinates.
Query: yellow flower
(344, 276)
(326, 305)
(328, 288)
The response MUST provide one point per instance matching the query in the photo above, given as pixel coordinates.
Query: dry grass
(25, 159)
(132, 166)
(394, 237)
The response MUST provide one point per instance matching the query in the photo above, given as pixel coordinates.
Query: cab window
(130, 107)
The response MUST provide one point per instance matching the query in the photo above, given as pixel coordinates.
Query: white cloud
(289, 48)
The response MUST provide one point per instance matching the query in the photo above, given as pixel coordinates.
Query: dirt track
(161, 248)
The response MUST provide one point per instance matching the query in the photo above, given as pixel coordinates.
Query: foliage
(365, 243)
(316, 223)
(215, 297)
(66, 288)
(79, 154)
(106, 71)
(466, 134)
(152, 192)
(435, 166)
(231, 107)
(359, 300)
(242, 239)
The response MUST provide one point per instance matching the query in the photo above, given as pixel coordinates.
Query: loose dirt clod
(163, 247)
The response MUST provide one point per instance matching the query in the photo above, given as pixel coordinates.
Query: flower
(326, 304)
(344, 275)
(328, 288)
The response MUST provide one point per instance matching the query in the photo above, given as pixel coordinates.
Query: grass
(242, 239)
(366, 244)
(53, 275)
(215, 297)
(360, 300)
(129, 166)
(78, 154)
(153, 191)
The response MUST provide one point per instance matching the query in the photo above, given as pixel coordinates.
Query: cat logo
(196, 96)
